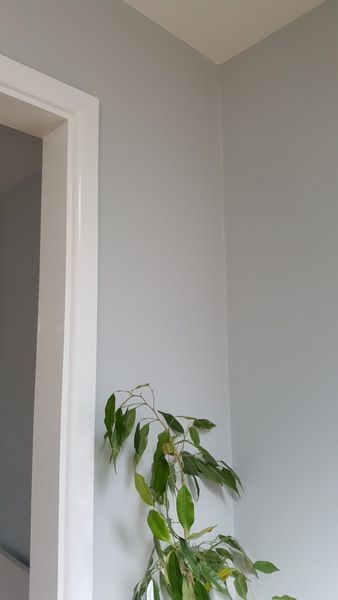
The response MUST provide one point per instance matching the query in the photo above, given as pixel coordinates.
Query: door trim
(41, 103)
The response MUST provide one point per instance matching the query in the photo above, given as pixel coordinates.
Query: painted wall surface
(280, 122)
(161, 248)
(19, 283)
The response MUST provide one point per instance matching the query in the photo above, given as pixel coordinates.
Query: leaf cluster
(183, 565)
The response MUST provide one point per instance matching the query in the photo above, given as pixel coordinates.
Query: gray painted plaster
(161, 244)
(280, 119)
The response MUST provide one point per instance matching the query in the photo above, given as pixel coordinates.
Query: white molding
(77, 400)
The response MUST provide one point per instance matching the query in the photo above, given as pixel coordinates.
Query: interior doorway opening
(20, 215)
(64, 121)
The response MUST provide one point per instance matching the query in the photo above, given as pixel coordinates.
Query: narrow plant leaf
(230, 541)
(140, 386)
(165, 587)
(187, 590)
(136, 591)
(109, 415)
(160, 474)
(208, 457)
(158, 526)
(168, 448)
(159, 551)
(234, 473)
(241, 585)
(189, 558)
(198, 534)
(172, 479)
(208, 471)
(283, 598)
(140, 440)
(197, 487)
(129, 418)
(175, 577)
(224, 553)
(137, 437)
(186, 417)
(200, 592)
(120, 426)
(224, 573)
(185, 508)
(189, 464)
(264, 566)
(172, 422)
(229, 480)
(195, 437)
(143, 489)
(156, 590)
(203, 424)
(211, 577)
(114, 449)
(213, 559)
(163, 439)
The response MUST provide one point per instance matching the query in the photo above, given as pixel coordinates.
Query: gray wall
(19, 274)
(161, 252)
(280, 121)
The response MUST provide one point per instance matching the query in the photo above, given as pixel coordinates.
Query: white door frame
(50, 102)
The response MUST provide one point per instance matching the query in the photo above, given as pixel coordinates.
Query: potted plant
(184, 564)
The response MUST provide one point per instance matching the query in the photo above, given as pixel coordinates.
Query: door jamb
(74, 546)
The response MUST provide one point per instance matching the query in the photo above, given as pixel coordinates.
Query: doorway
(65, 121)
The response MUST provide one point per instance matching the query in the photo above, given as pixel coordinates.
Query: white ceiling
(220, 29)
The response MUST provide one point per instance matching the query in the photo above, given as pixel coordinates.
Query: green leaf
(189, 558)
(203, 424)
(234, 474)
(142, 385)
(140, 440)
(264, 566)
(200, 592)
(129, 418)
(163, 438)
(160, 474)
(198, 534)
(109, 415)
(187, 590)
(230, 541)
(211, 577)
(195, 437)
(159, 551)
(208, 471)
(172, 479)
(207, 456)
(225, 554)
(165, 587)
(185, 417)
(189, 464)
(283, 598)
(158, 526)
(156, 590)
(197, 487)
(229, 480)
(241, 585)
(114, 449)
(185, 508)
(120, 426)
(172, 422)
(175, 576)
(143, 489)
(213, 559)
